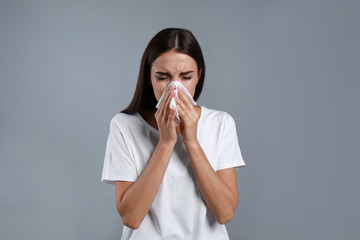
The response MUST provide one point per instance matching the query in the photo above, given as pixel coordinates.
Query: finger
(163, 102)
(184, 97)
(166, 109)
(187, 106)
(184, 109)
(183, 115)
(167, 101)
(167, 93)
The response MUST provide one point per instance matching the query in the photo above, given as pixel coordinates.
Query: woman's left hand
(189, 118)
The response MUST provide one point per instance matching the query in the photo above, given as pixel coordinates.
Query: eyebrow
(166, 73)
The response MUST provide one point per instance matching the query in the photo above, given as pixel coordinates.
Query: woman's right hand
(165, 119)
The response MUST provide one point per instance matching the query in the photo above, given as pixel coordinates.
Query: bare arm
(134, 199)
(219, 189)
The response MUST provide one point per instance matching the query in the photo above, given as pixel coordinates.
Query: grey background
(287, 71)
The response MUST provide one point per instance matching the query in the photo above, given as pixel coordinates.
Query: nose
(176, 80)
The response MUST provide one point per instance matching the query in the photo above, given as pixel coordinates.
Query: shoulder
(122, 120)
(120, 117)
(219, 121)
(216, 116)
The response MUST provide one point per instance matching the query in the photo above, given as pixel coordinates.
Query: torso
(178, 210)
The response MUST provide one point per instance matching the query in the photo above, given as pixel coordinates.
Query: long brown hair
(178, 39)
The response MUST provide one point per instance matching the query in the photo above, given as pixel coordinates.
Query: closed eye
(163, 78)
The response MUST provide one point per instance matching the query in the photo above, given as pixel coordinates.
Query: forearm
(138, 199)
(217, 195)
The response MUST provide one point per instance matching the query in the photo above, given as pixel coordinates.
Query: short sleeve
(118, 163)
(229, 151)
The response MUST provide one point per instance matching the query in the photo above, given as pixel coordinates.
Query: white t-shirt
(178, 210)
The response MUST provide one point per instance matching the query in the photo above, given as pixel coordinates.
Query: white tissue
(177, 84)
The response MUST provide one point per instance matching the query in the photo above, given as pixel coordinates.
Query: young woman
(172, 181)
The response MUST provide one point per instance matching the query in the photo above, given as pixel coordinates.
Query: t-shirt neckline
(157, 131)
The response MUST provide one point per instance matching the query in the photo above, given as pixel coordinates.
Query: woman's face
(174, 66)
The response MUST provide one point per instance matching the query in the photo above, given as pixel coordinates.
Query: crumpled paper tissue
(177, 84)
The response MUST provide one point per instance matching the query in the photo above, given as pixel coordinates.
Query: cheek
(190, 87)
(158, 90)
(157, 93)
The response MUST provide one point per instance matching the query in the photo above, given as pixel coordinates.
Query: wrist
(167, 144)
(190, 144)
